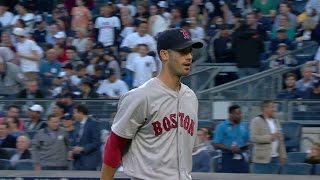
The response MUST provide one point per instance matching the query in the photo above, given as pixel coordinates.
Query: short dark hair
(265, 103)
(80, 67)
(291, 75)
(71, 48)
(13, 106)
(61, 105)
(233, 108)
(207, 131)
(51, 116)
(82, 108)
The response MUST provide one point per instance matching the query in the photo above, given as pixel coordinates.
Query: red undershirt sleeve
(113, 149)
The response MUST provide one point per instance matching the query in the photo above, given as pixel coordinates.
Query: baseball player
(154, 130)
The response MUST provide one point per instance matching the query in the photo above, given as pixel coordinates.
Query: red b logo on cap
(185, 34)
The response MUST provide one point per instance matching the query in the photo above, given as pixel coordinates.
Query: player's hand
(235, 149)
(77, 150)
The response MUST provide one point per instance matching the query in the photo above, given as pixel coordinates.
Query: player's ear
(164, 55)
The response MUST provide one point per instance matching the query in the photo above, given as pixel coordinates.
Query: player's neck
(173, 82)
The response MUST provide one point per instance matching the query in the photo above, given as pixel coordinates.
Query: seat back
(24, 165)
(296, 157)
(259, 168)
(292, 133)
(10, 151)
(5, 164)
(317, 169)
(297, 168)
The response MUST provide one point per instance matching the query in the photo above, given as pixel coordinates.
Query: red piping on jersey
(113, 149)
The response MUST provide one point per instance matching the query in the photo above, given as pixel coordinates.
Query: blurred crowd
(105, 48)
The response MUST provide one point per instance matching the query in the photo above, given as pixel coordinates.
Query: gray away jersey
(163, 126)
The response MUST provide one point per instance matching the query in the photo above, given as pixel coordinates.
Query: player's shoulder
(137, 94)
(188, 90)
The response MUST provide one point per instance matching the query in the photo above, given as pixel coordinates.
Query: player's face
(180, 61)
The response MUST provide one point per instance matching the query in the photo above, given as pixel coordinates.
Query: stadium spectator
(281, 57)
(143, 67)
(58, 110)
(126, 4)
(128, 28)
(27, 53)
(87, 55)
(87, 89)
(267, 137)
(305, 33)
(200, 158)
(312, 6)
(112, 87)
(5, 16)
(222, 46)
(80, 42)
(49, 69)
(196, 31)
(111, 62)
(13, 111)
(232, 137)
(50, 147)
(6, 41)
(267, 7)
(312, 93)
(314, 156)
(99, 75)
(285, 9)
(163, 10)
(80, 15)
(107, 25)
(40, 32)
(29, 18)
(290, 91)
(253, 24)
(157, 23)
(307, 80)
(281, 37)
(204, 136)
(67, 100)
(35, 122)
(86, 144)
(60, 38)
(6, 140)
(68, 124)
(62, 55)
(176, 17)
(69, 4)
(72, 57)
(31, 91)
(22, 152)
(142, 12)
(53, 30)
(284, 23)
(12, 78)
(14, 130)
(79, 74)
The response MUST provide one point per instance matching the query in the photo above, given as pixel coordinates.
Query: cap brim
(196, 44)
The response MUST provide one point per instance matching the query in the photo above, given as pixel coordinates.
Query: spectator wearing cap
(307, 81)
(86, 145)
(87, 89)
(282, 57)
(290, 91)
(49, 69)
(143, 67)
(28, 18)
(6, 140)
(127, 4)
(284, 23)
(35, 123)
(68, 124)
(5, 15)
(281, 37)
(11, 78)
(31, 91)
(112, 87)
(80, 42)
(267, 7)
(107, 26)
(60, 37)
(285, 9)
(27, 53)
(80, 15)
(67, 100)
(50, 146)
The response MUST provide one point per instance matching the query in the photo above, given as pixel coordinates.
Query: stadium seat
(10, 151)
(24, 165)
(259, 168)
(317, 169)
(5, 164)
(296, 169)
(215, 161)
(292, 133)
(205, 123)
(296, 157)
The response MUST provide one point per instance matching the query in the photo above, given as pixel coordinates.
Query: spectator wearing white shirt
(5, 16)
(28, 18)
(196, 31)
(112, 87)
(128, 28)
(81, 40)
(143, 66)
(107, 25)
(27, 52)
(126, 3)
(80, 73)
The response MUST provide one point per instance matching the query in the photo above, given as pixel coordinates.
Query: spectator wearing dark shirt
(87, 89)
(67, 100)
(6, 140)
(314, 156)
(290, 91)
(223, 46)
(22, 152)
(32, 91)
(281, 37)
(40, 33)
(313, 93)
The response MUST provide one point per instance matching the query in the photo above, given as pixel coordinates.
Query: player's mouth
(187, 66)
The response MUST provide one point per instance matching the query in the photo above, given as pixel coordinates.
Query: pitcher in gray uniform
(154, 130)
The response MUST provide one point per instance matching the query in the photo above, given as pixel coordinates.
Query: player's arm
(113, 149)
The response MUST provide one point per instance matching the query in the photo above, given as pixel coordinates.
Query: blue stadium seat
(5, 164)
(259, 168)
(215, 161)
(297, 169)
(292, 133)
(24, 165)
(296, 157)
(303, 58)
(317, 169)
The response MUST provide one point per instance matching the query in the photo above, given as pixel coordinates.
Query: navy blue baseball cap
(176, 39)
